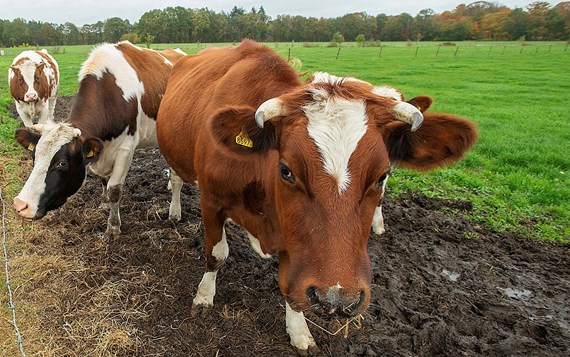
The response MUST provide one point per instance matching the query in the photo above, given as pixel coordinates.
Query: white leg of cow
(121, 166)
(175, 184)
(298, 330)
(378, 221)
(256, 245)
(51, 109)
(207, 288)
(23, 113)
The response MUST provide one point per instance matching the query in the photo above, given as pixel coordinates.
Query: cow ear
(421, 102)
(442, 140)
(91, 149)
(235, 128)
(27, 138)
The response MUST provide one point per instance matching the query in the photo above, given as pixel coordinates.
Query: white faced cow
(120, 89)
(33, 78)
(301, 166)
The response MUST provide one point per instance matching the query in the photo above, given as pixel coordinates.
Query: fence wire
(8, 285)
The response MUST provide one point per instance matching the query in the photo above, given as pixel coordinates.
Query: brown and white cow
(33, 78)
(120, 89)
(300, 166)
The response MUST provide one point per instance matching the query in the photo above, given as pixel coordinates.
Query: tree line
(479, 20)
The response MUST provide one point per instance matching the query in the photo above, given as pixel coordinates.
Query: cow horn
(407, 113)
(269, 109)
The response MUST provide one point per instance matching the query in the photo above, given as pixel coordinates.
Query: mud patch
(442, 286)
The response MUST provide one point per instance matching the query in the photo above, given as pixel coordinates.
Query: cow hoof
(379, 230)
(112, 232)
(200, 310)
(175, 216)
(311, 351)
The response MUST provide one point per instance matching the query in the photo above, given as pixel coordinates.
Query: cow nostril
(355, 306)
(312, 296)
(20, 205)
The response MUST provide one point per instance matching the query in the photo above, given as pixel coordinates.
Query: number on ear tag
(244, 140)
(31, 147)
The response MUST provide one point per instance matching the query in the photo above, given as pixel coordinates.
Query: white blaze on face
(107, 58)
(336, 125)
(53, 138)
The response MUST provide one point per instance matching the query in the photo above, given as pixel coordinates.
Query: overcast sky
(80, 12)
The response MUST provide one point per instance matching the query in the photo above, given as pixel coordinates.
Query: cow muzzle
(24, 210)
(335, 301)
(30, 97)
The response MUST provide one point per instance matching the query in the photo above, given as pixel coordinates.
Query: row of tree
(479, 20)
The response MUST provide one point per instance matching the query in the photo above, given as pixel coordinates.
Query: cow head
(60, 155)
(328, 147)
(28, 81)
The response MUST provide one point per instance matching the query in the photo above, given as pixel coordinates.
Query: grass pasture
(516, 175)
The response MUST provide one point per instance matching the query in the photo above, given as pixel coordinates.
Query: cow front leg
(114, 194)
(24, 114)
(175, 185)
(121, 166)
(378, 221)
(51, 109)
(217, 251)
(298, 330)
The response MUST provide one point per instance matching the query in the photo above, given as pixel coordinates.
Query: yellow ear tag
(31, 147)
(244, 140)
(419, 108)
(90, 153)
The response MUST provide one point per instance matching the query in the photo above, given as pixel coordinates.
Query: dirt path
(442, 286)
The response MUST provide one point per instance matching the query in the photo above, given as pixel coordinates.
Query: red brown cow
(120, 89)
(300, 166)
(34, 79)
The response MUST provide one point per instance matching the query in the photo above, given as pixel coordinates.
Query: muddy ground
(441, 285)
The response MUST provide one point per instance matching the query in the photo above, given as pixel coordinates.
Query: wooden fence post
(504, 49)
(417, 48)
(289, 55)
(380, 54)
(490, 48)
(437, 53)
(456, 49)
(338, 53)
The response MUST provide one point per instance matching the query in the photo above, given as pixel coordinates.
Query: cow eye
(381, 180)
(286, 173)
(61, 165)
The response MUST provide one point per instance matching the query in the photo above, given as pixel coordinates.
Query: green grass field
(519, 96)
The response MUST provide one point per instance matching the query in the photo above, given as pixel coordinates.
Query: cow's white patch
(297, 329)
(386, 91)
(336, 125)
(207, 287)
(221, 249)
(206, 290)
(323, 77)
(108, 58)
(256, 245)
(54, 136)
(378, 219)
